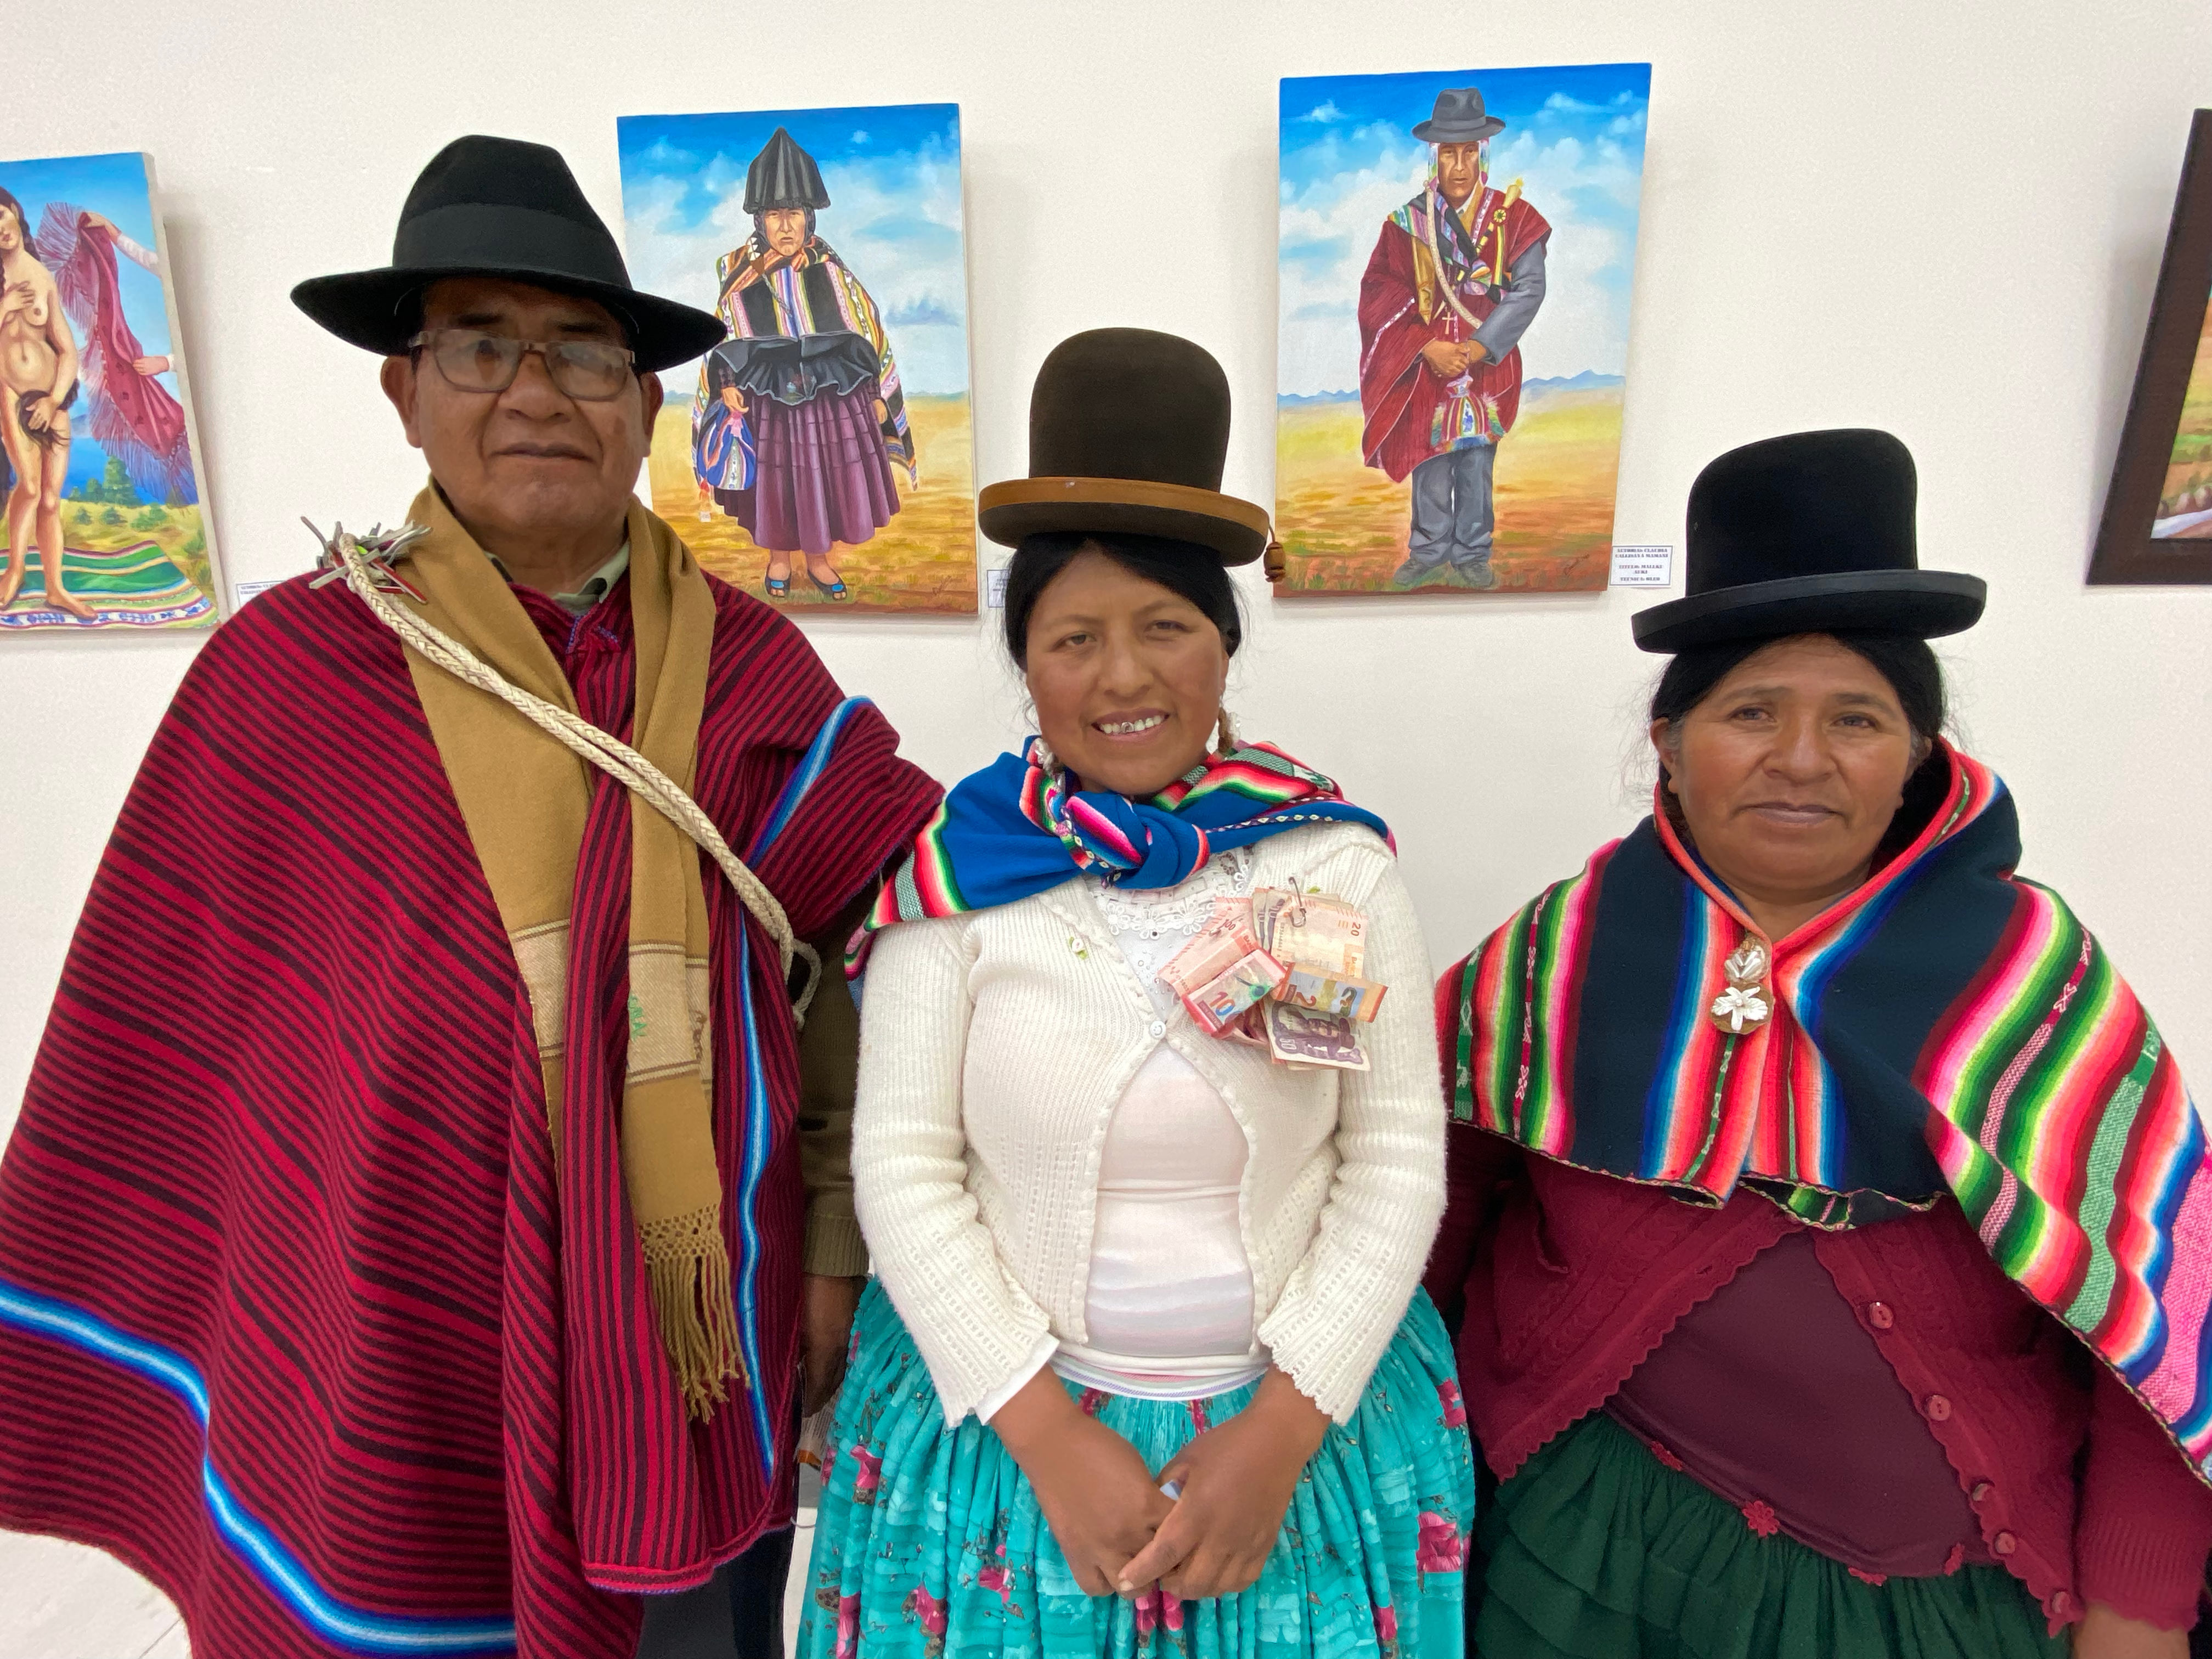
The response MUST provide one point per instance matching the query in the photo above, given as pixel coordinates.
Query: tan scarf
(525, 798)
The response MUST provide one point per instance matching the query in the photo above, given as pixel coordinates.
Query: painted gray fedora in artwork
(1458, 118)
(498, 207)
(1810, 534)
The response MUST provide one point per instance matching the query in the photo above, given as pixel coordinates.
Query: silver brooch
(1746, 1005)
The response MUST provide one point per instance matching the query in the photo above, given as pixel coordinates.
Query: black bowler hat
(784, 176)
(1810, 533)
(1127, 432)
(1458, 118)
(497, 206)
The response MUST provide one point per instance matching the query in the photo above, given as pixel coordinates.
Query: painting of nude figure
(1454, 256)
(103, 516)
(820, 457)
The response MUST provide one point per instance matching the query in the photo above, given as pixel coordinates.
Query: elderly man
(402, 1247)
(1454, 281)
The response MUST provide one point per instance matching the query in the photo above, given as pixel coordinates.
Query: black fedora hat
(1810, 534)
(1129, 430)
(784, 176)
(498, 207)
(1458, 118)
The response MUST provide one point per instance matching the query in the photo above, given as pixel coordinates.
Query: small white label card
(994, 587)
(1643, 565)
(241, 591)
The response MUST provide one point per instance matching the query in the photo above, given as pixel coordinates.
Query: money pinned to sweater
(1280, 971)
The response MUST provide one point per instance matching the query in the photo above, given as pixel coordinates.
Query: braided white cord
(580, 737)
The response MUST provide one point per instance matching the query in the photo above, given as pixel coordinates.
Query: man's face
(785, 230)
(530, 460)
(1459, 169)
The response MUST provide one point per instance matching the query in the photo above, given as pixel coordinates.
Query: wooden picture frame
(2173, 399)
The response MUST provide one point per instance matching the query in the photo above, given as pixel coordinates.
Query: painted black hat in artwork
(1812, 532)
(784, 176)
(498, 207)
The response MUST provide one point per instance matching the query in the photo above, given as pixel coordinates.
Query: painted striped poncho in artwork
(1017, 828)
(1948, 1027)
(303, 1312)
(762, 295)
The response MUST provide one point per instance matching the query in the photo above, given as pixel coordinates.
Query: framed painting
(2157, 525)
(822, 455)
(1456, 256)
(105, 521)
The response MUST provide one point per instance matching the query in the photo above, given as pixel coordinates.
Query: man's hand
(826, 1307)
(1236, 1482)
(2105, 1634)
(1099, 1498)
(1447, 360)
(732, 401)
(1476, 353)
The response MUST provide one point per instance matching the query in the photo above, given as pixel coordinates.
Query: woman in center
(1145, 1367)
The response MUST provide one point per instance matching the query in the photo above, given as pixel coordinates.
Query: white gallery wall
(1944, 218)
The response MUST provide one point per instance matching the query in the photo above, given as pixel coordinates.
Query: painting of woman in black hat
(804, 443)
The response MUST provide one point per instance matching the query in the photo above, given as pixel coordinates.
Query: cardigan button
(1938, 1409)
(1158, 1028)
(1981, 1493)
(1879, 1317)
(2005, 1543)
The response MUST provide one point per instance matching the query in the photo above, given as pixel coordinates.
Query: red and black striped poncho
(286, 1320)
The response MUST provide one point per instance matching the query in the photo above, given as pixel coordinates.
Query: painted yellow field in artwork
(923, 560)
(1343, 525)
(2188, 489)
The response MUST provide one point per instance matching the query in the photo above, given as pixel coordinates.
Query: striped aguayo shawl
(1947, 1027)
(301, 1313)
(765, 296)
(1013, 829)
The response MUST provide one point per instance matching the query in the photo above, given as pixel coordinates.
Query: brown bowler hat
(1127, 432)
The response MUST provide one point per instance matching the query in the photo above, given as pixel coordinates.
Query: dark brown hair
(1184, 569)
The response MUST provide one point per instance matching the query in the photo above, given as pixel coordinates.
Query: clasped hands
(1121, 1534)
(1450, 359)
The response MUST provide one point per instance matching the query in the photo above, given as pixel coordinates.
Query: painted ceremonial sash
(1948, 1027)
(1014, 828)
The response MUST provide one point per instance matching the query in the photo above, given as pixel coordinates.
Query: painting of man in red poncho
(1456, 256)
(103, 517)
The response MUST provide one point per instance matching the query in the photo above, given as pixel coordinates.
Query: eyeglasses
(475, 361)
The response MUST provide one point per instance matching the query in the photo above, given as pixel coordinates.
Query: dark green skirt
(1597, 1550)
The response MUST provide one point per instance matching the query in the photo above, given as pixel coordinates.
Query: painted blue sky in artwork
(1574, 136)
(893, 174)
(115, 185)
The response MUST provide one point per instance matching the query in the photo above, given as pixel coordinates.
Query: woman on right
(1830, 1232)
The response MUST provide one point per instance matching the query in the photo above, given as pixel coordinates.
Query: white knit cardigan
(994, 1047)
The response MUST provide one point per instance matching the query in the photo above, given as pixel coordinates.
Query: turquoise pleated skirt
(929, 1543)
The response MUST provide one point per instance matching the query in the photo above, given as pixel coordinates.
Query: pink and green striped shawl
(1947, 1027)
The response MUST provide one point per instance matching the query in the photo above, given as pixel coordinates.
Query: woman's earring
(1046, 761)
(1225, 735)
